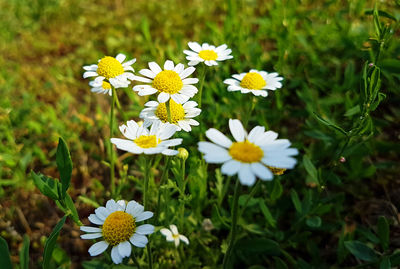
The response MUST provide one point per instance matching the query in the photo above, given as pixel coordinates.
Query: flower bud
(182, 153)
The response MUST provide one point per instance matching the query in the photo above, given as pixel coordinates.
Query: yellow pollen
(118, 227)
(147, 141)
(246, 152)
(208, 55)
(168, 81)
(276, 171)
(253, 81)
(109, 67)
(106, 85)
(175, 236)
(176, 112)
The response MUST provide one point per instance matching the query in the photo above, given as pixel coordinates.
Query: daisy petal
(98, 248)
(139, 240)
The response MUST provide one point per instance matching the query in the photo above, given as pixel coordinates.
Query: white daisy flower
(256, 154)
(256, 82)
(173, 235)
(207, 53)
(141, 140)
(111, 69)
(101, 87)
(180, 114)
(172, 82)
(118, 228)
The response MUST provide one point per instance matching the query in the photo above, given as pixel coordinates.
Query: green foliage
(338, 106)
(64, 165)
(24, 253)
(5, 260)
(51, 243)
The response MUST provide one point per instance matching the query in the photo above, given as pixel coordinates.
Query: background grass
(319, 47)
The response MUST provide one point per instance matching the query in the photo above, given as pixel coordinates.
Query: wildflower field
(199, 134)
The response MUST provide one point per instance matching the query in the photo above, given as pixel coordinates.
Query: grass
(301, 219)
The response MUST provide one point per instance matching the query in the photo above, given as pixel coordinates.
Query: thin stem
(135, 261)
(147, 169)
(164, 176)
(112, 171)
(234, 224)
(149, 256)
(250, 107)
(202, 78)
(182, 194)
(251, 195)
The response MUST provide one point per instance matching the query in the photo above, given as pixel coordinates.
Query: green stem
(147, 169)
(182, 194)
(202, 78)
(251, 195)
(234, 224)
(112, 171)
(164, 176)
(250, 107)
(149, 256)
(135, 261)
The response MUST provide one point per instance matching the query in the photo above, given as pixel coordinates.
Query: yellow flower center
(176, 112)
(253, 81)
(246, 152)
(276, 171)
(147, 141)
(106, 85)
(109, 67)
(175, 236)
(168, 81)
(208, 55)
(118, 227)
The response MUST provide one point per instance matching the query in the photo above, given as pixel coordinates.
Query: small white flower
(111, 69)
(257, 154)
(173, 235)
(172, 82)
(101, 87)
(141, 140)
(180, 114)
(256, 82)
(118, 228)
(207, 53)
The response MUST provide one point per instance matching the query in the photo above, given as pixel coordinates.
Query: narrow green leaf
(390, 65)
(377, 24)
(24, 253)
(64, 165)
(51, 243)
(296, 200)
(311, 170)
(46, 185)
(277, 190)
(71, 206)
(329, 124)
(314, 222)
(385, 263)
(381, 97)
(267, 214)
(5, 260)
(352, 111)
(381, 13)
(360, 250)
(383, 232)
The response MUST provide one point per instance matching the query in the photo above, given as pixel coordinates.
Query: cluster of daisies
(257, 154)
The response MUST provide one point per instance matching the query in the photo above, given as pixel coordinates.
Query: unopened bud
(342, 159)
(182, 153)
(207, 225)
(371, 64)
